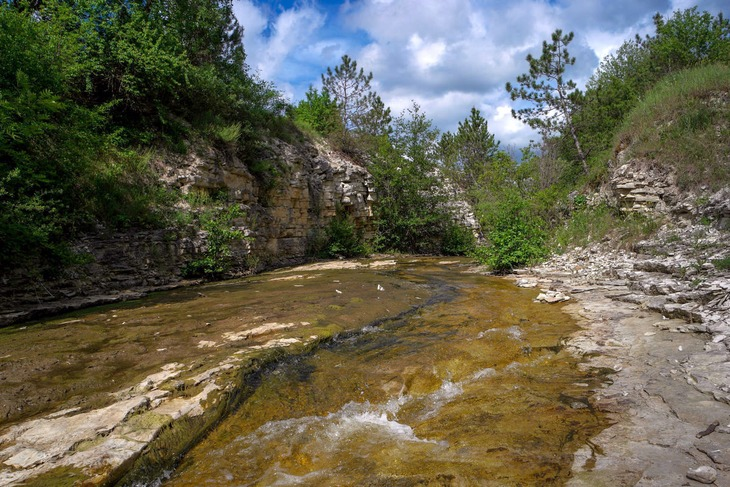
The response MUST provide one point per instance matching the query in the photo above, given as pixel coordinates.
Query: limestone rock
(550, 296)
(703, 474)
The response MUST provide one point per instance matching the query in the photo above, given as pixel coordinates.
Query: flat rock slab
(654, 402)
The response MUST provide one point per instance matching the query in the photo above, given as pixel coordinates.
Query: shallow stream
(472, 388)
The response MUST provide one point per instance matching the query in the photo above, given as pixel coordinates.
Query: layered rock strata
(284, 217)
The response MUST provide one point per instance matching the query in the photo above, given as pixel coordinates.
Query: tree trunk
(581, 154)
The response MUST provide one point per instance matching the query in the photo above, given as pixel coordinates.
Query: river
(472, 389)
(410, 371)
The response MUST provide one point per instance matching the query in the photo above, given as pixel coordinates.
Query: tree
(554, 99)
(318, 110)
(687, 39)
(467, 155)
(412, 215)
(355, 99)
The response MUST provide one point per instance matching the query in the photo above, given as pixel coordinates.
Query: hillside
(144, 154)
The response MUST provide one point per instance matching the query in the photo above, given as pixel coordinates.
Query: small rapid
(468, 390)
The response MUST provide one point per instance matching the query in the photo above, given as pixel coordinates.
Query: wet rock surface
(659, 317)
(83, 396)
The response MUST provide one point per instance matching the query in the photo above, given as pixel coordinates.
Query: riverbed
(392, 372)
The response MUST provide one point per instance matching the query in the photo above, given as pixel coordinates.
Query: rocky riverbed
(659, 316)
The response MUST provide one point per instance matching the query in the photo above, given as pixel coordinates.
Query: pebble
(703, 474)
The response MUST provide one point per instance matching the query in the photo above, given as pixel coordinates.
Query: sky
(446, 55)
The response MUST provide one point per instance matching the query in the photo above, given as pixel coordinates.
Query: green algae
(59, 477)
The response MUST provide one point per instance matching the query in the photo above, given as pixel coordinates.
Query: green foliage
(589, 224)
(412, 213)
(229, 134)
(343, 238)
(687, 39)
(586, 225)
(683, 121)
(467, 155)
(317, 112)
(216, 261)
(516, 236)
(457, 240)
(554, 100)
(362, 113)
(722, 264)
(85, 86)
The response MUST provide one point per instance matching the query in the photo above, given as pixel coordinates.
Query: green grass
(685, 122)
(593, 224)
(722, 264)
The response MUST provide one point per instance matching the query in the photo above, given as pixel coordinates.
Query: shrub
(216, 260)
(515, 236)
(457, 240)
(343, 238)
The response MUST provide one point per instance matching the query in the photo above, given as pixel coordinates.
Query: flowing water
(473, 388)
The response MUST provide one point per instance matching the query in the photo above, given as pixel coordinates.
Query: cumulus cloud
(447, 55)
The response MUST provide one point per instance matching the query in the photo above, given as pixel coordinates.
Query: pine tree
(467, 155)
(360, 107)
(554, 99)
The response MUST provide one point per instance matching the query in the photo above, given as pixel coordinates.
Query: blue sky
(447, 55)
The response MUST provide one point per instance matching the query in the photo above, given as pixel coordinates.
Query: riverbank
(659, 319)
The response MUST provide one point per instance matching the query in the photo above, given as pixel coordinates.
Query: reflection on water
(474, 390)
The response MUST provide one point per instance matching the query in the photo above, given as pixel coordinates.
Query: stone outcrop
(644, 186)
(285, 214)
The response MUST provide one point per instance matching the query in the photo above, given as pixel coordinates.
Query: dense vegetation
(538, 205)
(91, 90)
(87, 88)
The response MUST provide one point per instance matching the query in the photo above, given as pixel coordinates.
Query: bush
(457, 240)
(216, 260)
(516, 236)
(343, 238)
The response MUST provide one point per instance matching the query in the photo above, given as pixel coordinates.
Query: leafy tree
(554, 99)
(689, 38)
(467, 155)
(361, 109)
(318, 111)
(411, 214)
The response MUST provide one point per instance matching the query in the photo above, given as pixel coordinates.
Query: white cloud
(426, 54)
(269, 42)
(448, 55)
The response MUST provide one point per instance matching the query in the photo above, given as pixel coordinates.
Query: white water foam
(480, 374)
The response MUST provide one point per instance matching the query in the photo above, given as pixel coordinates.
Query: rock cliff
(641, 185)
(284, 215)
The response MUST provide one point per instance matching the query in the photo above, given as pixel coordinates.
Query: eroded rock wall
(644, 186)
(282, 221)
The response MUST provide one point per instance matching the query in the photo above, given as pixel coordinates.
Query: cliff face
(644, 186)
(282, 219)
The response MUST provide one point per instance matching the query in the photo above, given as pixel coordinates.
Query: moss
(58, 477)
